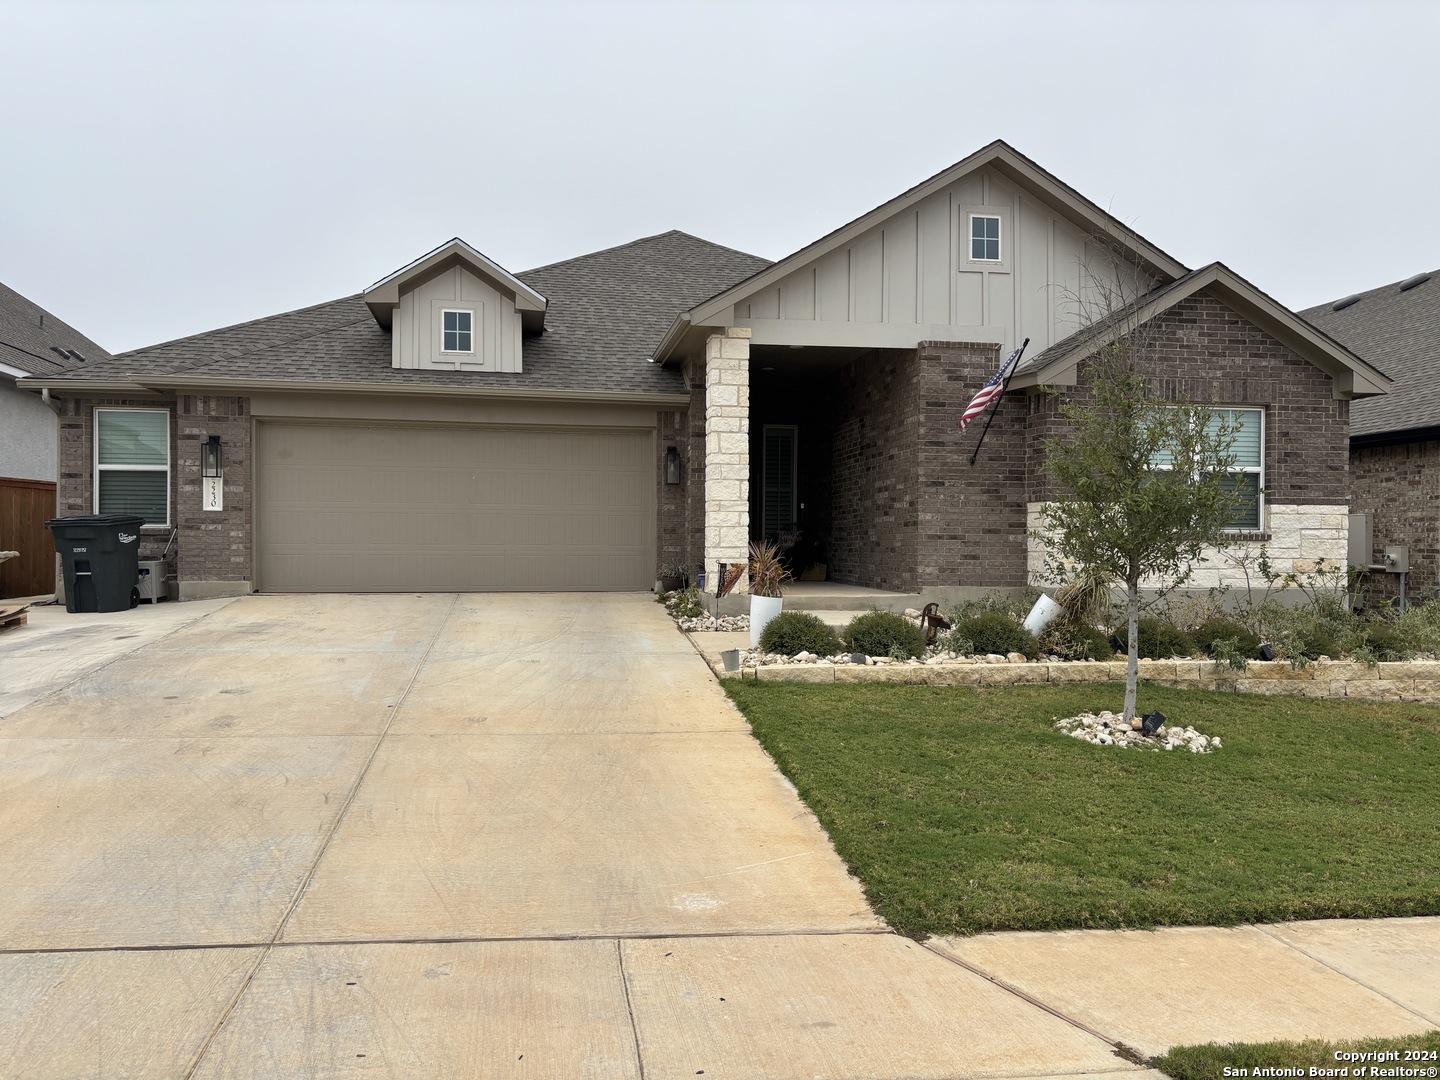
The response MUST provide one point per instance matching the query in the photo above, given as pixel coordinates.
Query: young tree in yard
(1143, 485)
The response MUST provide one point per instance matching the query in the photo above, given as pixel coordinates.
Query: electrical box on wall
(1397, 560)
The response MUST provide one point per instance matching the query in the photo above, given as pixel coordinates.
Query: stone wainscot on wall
(1298, 539)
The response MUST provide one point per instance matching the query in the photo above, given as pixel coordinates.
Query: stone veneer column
(727, 452)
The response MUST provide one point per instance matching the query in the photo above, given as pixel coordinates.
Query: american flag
(990, 391)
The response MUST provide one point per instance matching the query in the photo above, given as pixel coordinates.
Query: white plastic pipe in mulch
(1045, 612)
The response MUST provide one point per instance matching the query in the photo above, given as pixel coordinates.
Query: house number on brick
(213, 492)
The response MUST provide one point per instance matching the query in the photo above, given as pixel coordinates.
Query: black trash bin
(101, 557)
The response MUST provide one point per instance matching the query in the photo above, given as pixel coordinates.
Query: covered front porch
(848, 459)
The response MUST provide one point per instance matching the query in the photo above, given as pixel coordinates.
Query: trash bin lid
(118, 520)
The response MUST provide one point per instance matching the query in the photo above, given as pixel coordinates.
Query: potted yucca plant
(767, 585)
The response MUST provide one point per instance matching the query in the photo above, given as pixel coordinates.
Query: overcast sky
(168, 168)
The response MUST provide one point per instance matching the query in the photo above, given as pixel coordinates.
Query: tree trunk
(1132, 663)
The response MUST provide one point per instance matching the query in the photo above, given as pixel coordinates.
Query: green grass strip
(963, 810)
(1408, 1055)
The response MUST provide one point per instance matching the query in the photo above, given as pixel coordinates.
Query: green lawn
(962, 810)
(1210, 1061)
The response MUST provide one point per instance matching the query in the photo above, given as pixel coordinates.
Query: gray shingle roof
(1398, 332)
(28, 331)
(606, 311)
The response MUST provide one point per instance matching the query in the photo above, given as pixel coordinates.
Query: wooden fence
(25, 506)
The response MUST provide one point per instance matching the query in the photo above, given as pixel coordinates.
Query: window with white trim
(132, 463)
(984, 238)
(457, 331)
(1247, 472)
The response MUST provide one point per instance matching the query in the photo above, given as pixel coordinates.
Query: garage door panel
(446, 508)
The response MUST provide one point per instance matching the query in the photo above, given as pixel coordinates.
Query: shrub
(1385, 643)
(1420, 626)
(1210, 631)
(793, 632)
(883, 633)
(995, 632)
(1016, 605)
(1072, 640)
(1318, 642)
(1158, 640)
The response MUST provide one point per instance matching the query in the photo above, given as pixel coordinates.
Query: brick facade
(874, 480)
(1400, 485)
(672, 541)
(215, 546)
(972, 517)
(210, 546)
(75, 493)
(1210, 354)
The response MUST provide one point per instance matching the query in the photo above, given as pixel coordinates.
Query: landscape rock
(1109, 729)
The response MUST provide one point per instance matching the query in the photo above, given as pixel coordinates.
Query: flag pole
(1014, 364)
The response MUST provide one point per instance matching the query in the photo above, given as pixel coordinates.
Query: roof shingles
(29, 333)
(606, 311)
(1399, 333)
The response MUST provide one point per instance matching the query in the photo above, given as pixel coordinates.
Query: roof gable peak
(1015, 168)
(383, 297)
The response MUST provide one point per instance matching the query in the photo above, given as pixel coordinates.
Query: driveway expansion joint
(1115, 1044)
(1345, 975)
(455, 939)
(320, 853)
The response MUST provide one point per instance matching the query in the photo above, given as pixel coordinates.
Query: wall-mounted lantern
(672, 465)
(212, 486)
(210, 457)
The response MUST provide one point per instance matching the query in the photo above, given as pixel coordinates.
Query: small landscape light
(1150, 723)
(1267, 653)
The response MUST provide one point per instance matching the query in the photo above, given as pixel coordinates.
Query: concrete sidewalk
(412, 836)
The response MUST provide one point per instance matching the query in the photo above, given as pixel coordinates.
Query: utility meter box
(1397, 560)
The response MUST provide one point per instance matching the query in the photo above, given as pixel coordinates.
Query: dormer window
(457, 331)
(984, 238)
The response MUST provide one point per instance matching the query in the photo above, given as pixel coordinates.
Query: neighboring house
(32, 343)
(1395, 440)
(457, 426)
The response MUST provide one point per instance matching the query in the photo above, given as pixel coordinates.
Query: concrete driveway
(440, 836)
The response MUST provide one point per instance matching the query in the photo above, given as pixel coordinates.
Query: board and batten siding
(416, 341)
(910, 279)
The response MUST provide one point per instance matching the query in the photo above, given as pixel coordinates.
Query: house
(33, 343)
(459, 426)
(1395, 440)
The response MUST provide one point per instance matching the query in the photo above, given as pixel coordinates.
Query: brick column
(727, 451)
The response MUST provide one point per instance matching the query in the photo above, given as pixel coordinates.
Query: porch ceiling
(780, 362)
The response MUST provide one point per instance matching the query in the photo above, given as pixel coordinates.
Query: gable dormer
(456, 310)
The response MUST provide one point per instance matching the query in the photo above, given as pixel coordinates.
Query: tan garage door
(391, 507)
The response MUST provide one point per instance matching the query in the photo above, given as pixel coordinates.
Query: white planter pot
(762, 610)
(1045, 612)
